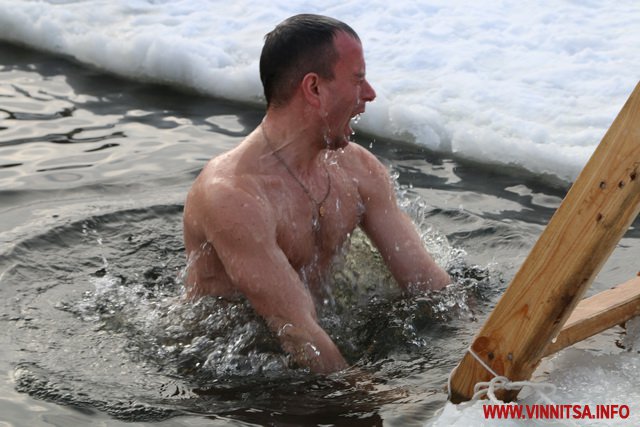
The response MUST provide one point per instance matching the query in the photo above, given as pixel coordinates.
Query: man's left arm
(394, 234)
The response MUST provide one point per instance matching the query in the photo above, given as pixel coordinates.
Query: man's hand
(310, 345)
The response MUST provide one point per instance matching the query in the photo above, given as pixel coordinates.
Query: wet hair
(297, 46)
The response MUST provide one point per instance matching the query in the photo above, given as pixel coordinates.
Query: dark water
(93, 172)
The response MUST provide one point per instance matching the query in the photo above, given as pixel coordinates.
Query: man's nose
(368, 93)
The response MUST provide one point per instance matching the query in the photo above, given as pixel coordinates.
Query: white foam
(534, 84)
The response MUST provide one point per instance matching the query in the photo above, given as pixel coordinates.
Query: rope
(500, 382)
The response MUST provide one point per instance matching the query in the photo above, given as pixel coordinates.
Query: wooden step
(598, 313)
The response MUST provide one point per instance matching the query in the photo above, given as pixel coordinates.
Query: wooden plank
(579, 238)
(598, 313)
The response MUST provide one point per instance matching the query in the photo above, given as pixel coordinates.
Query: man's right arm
(243, 232)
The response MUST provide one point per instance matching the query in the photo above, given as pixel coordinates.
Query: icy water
(93, 173)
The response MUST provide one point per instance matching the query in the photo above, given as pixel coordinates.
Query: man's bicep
(244, 237)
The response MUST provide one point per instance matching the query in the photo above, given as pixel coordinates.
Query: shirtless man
(265, 219)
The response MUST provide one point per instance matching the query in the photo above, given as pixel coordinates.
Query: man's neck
(296, 138)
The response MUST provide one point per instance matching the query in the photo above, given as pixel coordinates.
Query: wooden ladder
(525, 325)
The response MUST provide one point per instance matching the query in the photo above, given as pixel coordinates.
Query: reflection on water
(63, 124)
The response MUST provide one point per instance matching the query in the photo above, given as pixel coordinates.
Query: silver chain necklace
(319, 210)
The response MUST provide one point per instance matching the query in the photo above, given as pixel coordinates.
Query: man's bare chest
(311, 230)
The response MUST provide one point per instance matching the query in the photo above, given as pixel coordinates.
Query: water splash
(103, 324)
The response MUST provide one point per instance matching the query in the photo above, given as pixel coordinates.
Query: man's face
(345, 96)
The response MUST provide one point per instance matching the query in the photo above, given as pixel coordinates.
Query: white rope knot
(500, 382)
(489, 388)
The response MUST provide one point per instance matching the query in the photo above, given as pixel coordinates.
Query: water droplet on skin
(314, 349)
(283, 329)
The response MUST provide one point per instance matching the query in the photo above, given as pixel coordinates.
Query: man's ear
(311, 90)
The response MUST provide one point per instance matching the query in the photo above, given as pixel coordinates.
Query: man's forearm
(436, 278)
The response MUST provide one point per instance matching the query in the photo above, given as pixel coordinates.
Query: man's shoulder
(357, 150)
(230, 189)
(227, 172)
(220, 205)
(362, 162)
(219, 185)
